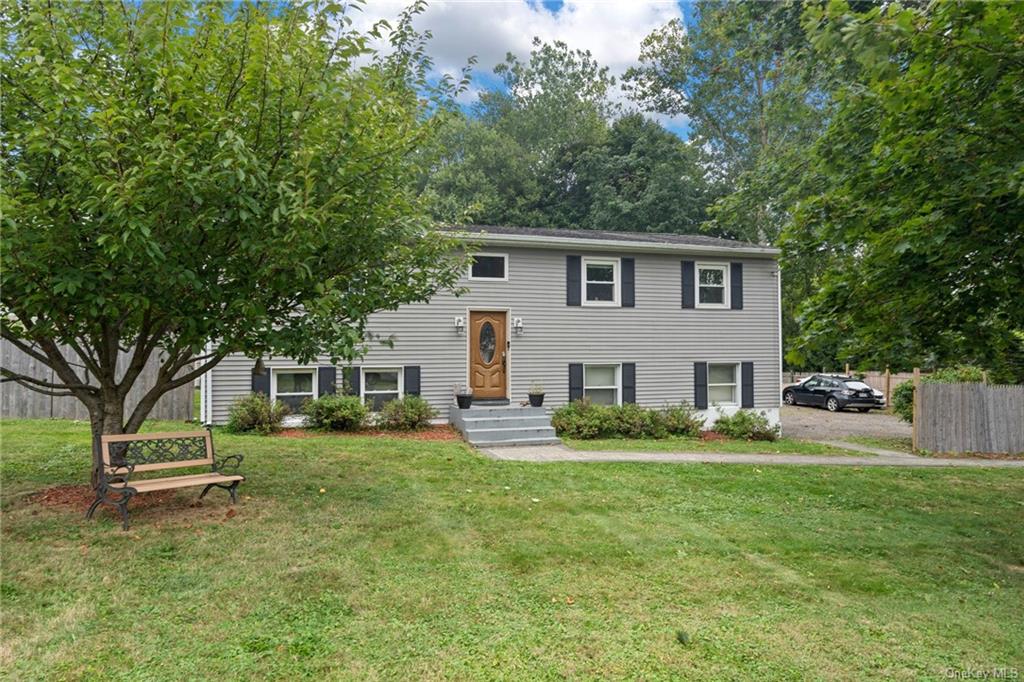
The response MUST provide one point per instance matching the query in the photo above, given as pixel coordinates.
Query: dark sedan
(834, 393)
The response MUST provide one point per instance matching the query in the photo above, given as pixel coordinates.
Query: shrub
(903, 395)
(582, 419)
(903, 401)
(336, 413)
(410, 413)
(255, 412)
(746, 424)
(683, 420)
(632, 421)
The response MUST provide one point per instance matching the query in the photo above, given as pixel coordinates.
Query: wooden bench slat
(152, 484)
(157, 466)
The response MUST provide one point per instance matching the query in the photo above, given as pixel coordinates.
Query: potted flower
(463, 396)
(536, 394)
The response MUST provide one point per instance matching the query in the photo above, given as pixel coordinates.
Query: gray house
(617, 317)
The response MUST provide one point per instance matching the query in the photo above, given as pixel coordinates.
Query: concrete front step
(491, 435)
(504, 425)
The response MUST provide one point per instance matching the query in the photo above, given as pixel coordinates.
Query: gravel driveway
(814, 423)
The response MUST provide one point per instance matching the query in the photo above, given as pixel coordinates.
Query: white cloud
(488, 29)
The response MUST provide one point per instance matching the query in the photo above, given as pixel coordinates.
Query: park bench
(125, 455)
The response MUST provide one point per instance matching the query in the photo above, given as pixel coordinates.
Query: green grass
(782, 446)
(427, 561)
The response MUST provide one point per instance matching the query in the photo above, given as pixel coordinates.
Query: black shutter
(629, 382)
(688, 293)
(700, 385)
(261, 382)
(572, 280)
(575, 381)
(352, 376)
(628, 283)
(736, 285)
(327, 380)
(412, 379)
(747, 384)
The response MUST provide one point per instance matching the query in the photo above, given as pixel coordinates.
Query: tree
(202, 179)
(549, 149)
(920, 201)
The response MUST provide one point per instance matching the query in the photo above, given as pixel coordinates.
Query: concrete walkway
(560, 453)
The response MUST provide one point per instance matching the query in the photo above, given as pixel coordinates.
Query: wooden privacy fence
(969, 418)
(19, 402)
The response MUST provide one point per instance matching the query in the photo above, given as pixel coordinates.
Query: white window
(601, 383)
(489, 266)
(293, 386)
(712, 286)
(380, 386)
(722, 384)
(601, 281)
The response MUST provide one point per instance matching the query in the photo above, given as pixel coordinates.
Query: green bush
(903, 395)
(255, 412)
(410, 413)
(748, 425)
(582, 419)
(903, 401)
(336, 413)
(632, 421)
(683, 420)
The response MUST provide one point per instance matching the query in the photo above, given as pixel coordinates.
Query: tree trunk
(107, 418)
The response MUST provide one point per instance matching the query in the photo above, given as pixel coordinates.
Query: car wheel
(789, 398)
(833, 405)
(862, 410)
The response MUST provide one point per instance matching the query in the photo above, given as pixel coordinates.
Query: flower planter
(464, 401)
(536, 399)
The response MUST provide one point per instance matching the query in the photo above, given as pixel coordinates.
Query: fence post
(917, 408)
(846, 370)
(888, 388)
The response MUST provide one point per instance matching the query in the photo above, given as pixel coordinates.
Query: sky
(611, 29)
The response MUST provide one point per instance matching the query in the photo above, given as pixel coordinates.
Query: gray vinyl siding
(662, 338)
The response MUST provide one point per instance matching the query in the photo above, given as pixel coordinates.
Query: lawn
(782, 446)
(424, 560)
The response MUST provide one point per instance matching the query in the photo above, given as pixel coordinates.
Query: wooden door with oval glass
(488, 357)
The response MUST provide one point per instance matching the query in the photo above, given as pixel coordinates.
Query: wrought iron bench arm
(231, 463)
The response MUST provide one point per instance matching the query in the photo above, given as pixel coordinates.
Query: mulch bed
(441, 432)
(81, 496)
(712, 436)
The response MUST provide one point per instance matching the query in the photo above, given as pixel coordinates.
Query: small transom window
(489, 266)
(722, 384)
(601, 384)
(712, 282)
(600, 281)
(381, 386)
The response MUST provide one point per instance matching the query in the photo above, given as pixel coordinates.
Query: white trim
(778, 303)
(736, 384)
(488, 279)
(617, 245)
(726, 293)
(399, 369)
(618, 379)
(304, 369)
(616, 282)
(507, 350)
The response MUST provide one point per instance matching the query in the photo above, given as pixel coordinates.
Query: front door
(488, 363)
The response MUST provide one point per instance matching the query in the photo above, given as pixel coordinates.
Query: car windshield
(857, 385)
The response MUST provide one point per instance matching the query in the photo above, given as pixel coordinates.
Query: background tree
(550, 149)
(183, 173)
(920, 198)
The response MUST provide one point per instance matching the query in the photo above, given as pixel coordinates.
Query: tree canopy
(202, 179)
(550, 148)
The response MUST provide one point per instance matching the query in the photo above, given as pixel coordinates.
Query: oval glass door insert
(487, 342)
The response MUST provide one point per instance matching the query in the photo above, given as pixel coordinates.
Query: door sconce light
(460, 325)
(517, 325)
